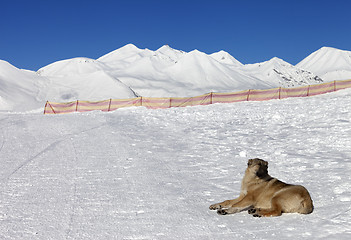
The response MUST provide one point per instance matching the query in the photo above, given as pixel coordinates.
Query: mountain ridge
(328, 63)
(129, 71)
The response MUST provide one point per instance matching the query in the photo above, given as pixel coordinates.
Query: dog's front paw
(254, 212)
(215, 206)
(222, 211)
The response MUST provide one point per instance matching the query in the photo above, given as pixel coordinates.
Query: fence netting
(205, 99)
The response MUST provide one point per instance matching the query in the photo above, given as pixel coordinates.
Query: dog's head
(258, 167)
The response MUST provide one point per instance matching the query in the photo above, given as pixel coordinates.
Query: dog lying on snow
(265, 196)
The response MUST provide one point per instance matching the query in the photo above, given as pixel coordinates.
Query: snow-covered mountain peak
(166, 48)
(195, 59)
(20, 89)
(4, 66)
(327, 56)
(73, 66)
(280, 73)
(224, 57)
(172, 53)
(278, 60)
(274, 62)
(328, 63)
(329, 49)
(120, 53)
(124, 56)
(196, 52)
(127, 49)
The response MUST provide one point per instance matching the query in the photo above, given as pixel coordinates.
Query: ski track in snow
(152, 174)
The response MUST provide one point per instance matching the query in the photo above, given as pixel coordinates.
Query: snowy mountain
(170, 72)
(170, 53)
(124, 56)
(196, 73)
(20, 89)
(62, 81)
(226, 58)
(129, 71)
(328, 63)
(83, 78)
(74, 66)
(93, 86)
(280, 73)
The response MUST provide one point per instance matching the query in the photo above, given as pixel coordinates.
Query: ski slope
(151, 174)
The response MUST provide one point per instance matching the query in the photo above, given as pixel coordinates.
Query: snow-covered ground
(151, 174)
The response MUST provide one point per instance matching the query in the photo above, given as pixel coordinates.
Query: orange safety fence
(206, 99)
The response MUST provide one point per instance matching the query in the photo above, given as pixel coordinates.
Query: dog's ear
(249, 163)
(265, 163)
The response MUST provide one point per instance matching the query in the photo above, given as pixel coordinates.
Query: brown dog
(265, 196)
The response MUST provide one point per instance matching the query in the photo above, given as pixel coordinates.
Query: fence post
(109, 106)
(170, 102)
(45, 107)
(248, 95)
(77, 106)
(280, 88)
(47, 103)
(211, 98)
(308, 90)
(334, 85)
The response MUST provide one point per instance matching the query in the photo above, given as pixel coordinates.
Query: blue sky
(36, 33)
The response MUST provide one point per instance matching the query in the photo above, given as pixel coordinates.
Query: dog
(264, 196)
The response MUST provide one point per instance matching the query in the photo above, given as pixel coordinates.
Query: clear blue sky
(35, 33)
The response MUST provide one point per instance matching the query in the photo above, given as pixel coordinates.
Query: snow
(224, 57)
(167, 72)
(19, 89)
(280, 73)
(201, 74)
(74, 66)
(128, 53)
(328, 63)
(137, 173)
(173, 54)
(95, 86)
